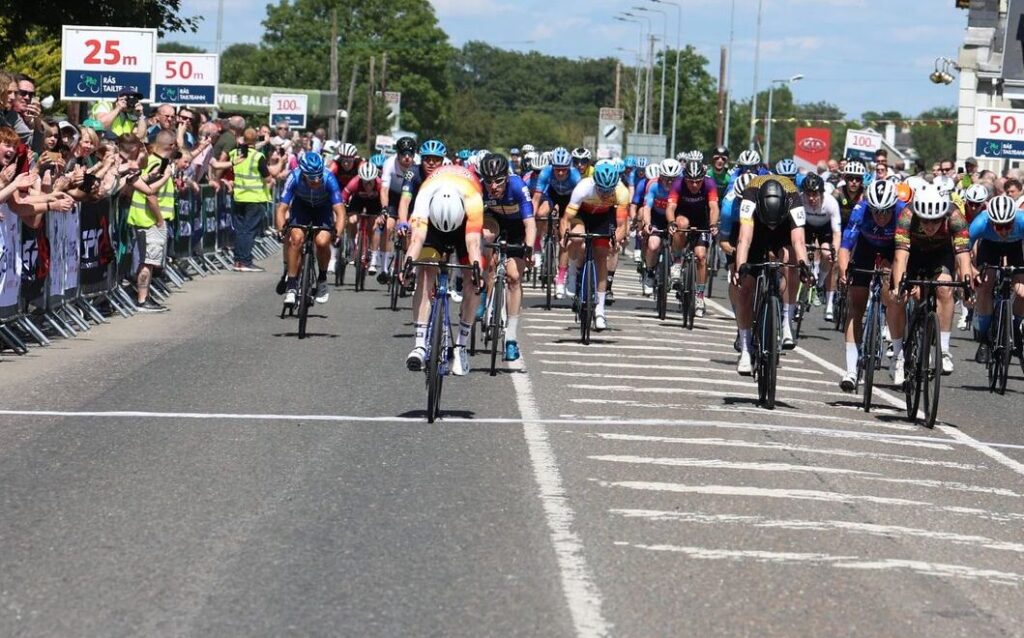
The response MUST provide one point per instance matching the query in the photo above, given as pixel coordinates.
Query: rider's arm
(797, 237)
(713, 209)
(673, 202)
(747, 207)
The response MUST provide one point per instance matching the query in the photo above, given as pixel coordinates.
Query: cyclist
(514, 159)
(346, 165)
(581, 161)
(824, 228)
(462, 157)
(850, 189)
(719, 170)
(932, 239)
(555, 184)
(653, 214)
(310, 194)
(974, 201)
(598, 204)
(508, 215)
(362, 196)
(639, 197)
(379, 160)
(749, 161)
(729, 232)
(447, 218)
(997, 233)
(693, 203)
(870, 239)
(393, 174)
(432, 156)
(771, 226)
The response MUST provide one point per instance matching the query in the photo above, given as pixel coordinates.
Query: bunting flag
(871, 123)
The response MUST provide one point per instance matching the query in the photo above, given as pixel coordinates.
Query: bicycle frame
(307, 264)
(871, 348)
(1001, 332)
(767, 330)
(586, 291)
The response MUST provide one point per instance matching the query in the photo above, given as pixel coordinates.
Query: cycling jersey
(694, 206)
(657, 198)
(846, 202)
(467, 184)
(952, 232)
(587, 172)
(342, 175)
(414, 177)
(514, 205)
(640, 192)
(767, 239)
(863, 229)
(358, 198)
(736, 172)
(548, 185)
(721, 180)
(325, 194)
(600, 212)
(981, 230)
(826, 215)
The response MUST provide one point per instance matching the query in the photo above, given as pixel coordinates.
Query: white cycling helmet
(915, 182)
(527, 148)
(930, 203)
(786, 167)
(368, 171)
(653, 171)
(331, 147)
(446, 210)
(741, 184)
(853, 167)
(945, 184)
(446, 162)
(541, 161)
(547, 157)
(749, 157)
(1001, 209)
(881, 194)
(976, 193)
(671, 168)
(348, 150)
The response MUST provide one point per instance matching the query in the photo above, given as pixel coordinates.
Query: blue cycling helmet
(619, 165)
(513, 151)
(433, 148)
(630, 161)
(561, 158)
(786, 167)
(311, 165)
(462, 154)
(378, 160)
(606, 177)
(641, 162)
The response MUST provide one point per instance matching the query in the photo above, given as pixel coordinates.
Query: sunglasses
(720, 157)
(27, 94)
(1003, 228)
(496, 182)
(432, 159)
(184, 118)
(946, 170)
(855, 178)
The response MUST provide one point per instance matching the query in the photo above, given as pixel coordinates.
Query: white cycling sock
(421, 335)
(464, 330)
(897, 348)
(511, 327)
(944, 340)
(831, 296)
(851, 358)
(600, 302)
(788, 311)
(746, 337)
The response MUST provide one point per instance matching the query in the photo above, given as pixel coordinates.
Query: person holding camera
(151, 208)
(124, 116)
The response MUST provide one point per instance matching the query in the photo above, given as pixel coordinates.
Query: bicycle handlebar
(590, 235)
(1008, 271)
(310, 227)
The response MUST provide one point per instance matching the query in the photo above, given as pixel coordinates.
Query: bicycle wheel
(497, 302)
(768, 353)
(664, 275)
(839, 311)
(342, 263)
(798, 312)
(1004, 340)
(933, 370)
(393, 285)
(712, 261)
(870, 353)
(585, 309)
(303, 299)
(549, 268)
(691, 294)
(911, 361)
(435, 361)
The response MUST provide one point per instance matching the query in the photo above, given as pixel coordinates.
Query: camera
(131, 100)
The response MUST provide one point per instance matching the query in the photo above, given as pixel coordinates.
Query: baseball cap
(971, 160)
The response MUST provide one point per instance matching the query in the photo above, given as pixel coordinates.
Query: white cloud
(466, 8)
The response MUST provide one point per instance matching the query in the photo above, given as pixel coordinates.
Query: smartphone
(243, 150)
(163, 163)
(88, 181)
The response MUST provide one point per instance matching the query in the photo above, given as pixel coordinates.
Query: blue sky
(858, 54)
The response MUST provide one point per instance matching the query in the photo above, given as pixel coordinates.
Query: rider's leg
(945, 306)
(292, 251)
(514, 300)
(323, 253)
(601, 268)
(896, 318)
(425, 277)
(858, 300)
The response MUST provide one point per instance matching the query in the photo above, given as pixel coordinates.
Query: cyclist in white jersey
(824, 228)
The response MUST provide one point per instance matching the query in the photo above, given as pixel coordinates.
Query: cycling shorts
(511, 230)
(931, 263)
(303, 214)
(555, 200)
(864, 254)
(367, 205)
(991, 253)
(818, 235)
(659, 221)
(768, 241)
(441, 243)
(601, 223)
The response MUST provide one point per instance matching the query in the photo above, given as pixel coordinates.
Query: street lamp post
(650, 62)
(728, 76)
(664, 63)
(757, 60)
(768, 129)
(675, 91)
(636, 110)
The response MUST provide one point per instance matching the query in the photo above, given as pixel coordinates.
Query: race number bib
(799, 217)
(747, 208)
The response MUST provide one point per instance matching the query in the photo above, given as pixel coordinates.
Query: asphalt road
(203, 472)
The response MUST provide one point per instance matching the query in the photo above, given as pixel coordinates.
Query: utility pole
(348, 106)
(722, 96)
(618, 81)
(757, 61)
(384, 72)
(333, 128)
(220, 24)
(728, 74)
(649, 93)
(369, 106)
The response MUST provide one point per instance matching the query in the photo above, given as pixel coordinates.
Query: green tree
(934, 142)
(177, 47)
(20, 18)
(697, 121)
(240, 64)
(40, 59)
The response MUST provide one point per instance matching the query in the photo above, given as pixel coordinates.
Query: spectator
(203, 153)
(21, 190)
(151, 207)
(970, 172)
(162, 120)
(317, 141)
(1013, 187)
(9, 116)
(228, 139)
(123, 116)
(83, 153)
(282, 134)
(28, 107)
(186, 128)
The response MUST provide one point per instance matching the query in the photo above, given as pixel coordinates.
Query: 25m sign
(99, 62)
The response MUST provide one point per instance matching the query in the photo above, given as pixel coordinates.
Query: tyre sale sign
(98, 62)
(999, 133)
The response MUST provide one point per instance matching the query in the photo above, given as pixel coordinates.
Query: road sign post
(187, 78)
(289, 108)
(99, 62)
(610, 123)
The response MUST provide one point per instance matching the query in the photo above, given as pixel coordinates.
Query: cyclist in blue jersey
(749, 161)
(650, 177)
(654, 214)
(554, 188)
(508, 215)
(996, 233)
(433, 153)
(311, 194)
(870, 238)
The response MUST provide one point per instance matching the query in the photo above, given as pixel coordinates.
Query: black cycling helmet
(813, 184)
(721, 150)
(771, 203)
(694, 170)
(492, 167)
(405, 145)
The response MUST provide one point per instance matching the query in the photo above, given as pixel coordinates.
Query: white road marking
(616, 365)
(787, 447)
(749, 385)
(604, 355)
(595, 345)
(841, 562)
(581, 593)
(719, 464)
(884, 531)
(788, 413)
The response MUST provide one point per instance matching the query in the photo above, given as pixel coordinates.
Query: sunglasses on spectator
(945, 169)
(720, 157)
(27, 94)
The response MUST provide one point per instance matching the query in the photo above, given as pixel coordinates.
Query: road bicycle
(687, 290)
(1001, 332)
(306, 293)
(767, 330)
(585, 301)
(804, 293)
(366, 224)
(496, 313)
(549, 258)
(662, 273)
(922, 353)
(872, 345)
(395, 287)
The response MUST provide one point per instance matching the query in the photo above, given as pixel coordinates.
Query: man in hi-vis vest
(253, 179)
(151, 208)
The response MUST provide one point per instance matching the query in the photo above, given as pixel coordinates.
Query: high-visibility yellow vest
(122, 125)
(249, 186)
(139, 213)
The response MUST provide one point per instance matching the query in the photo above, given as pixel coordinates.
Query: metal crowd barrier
(77, 266)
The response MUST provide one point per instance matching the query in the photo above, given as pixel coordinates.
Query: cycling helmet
(930, 203)
(681, 156)
(493, 167)
(561, 158)
(513, 151)
(630, 161)
(541, 161)
(786, 167)
(464, 154)
(528, 148)
(696, 156)
(813, 184)
(642, 162)
(311, 165)
(749, 158)
(606, 177)
(446, 210)
(580, 153)
(474, 161)
(368, 172)
(652, 172)
(619, 164)
(433, 148)
(331, 147)
(694, 170)
(976, 194)
(1002, 209)
(915, 182)
(853, 167)
(527, 161)
(721, 150)
(881, 195)
(348, 150)
(771, 203)
(405, 145)
(741, 184)
(671, 168)
(547, 157)
(945, 184)
(378, 160)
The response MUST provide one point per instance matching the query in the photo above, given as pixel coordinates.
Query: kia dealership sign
(812, 146)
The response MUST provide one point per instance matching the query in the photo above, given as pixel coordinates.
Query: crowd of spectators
(146, 157)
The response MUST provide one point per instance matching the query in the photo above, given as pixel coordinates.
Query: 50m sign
(99, 62)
